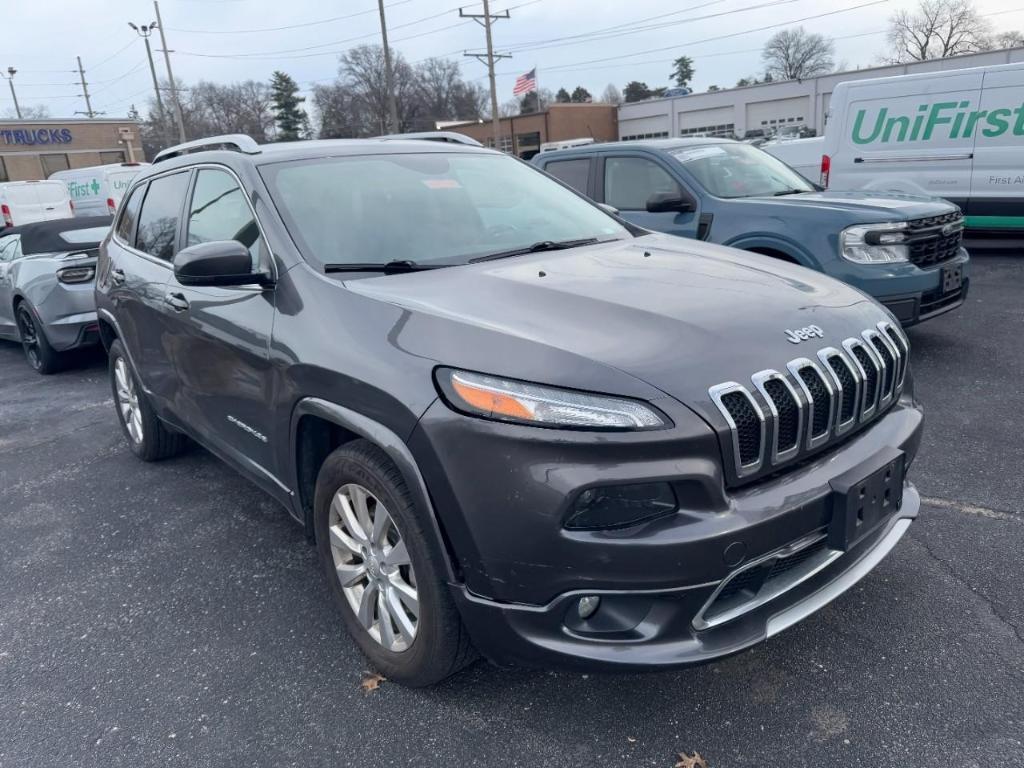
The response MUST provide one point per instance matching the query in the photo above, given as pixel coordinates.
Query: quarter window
(161, 211)
(219, 211)
(10, 247)
(130, 215)
(629, 182)
(575, 173)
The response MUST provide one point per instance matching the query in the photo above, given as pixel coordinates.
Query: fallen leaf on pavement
(372, 682)
(631, 740)
(696, 761)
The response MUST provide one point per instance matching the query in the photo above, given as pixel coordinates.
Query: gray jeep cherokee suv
(512, 423)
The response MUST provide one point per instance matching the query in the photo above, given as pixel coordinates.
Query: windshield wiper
(542, 245)
(388, 267)
(782, 192)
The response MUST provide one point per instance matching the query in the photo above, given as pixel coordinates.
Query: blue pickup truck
(905, 251)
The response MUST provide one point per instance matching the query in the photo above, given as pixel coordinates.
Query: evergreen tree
(285, 101)
(581, 95)
(562, 97)
(682, 70)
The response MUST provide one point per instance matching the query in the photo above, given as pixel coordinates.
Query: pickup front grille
(928, 244)
(810, 403)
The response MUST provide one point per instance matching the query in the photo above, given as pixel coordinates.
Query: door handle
(176, 301)
(117, 276)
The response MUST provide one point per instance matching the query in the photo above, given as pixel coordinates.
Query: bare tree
(40, 112)
(611, 95)
(794, 54)
(937, 29)
(1009, 39)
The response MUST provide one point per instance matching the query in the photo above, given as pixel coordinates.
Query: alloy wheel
(128, 400)
(29, 337)
(373, 567)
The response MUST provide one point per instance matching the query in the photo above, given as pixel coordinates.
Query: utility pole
(170, 74)
(144, 32)
(11, 72)
(389, 75)
(489, 60)
(85, 89)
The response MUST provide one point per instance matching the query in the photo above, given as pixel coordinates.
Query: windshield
(740, 170)
(430, 208)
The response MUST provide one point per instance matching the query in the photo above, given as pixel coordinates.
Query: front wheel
(40, 355)
(384, 569)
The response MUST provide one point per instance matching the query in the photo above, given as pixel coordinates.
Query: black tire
(41, 357)
(155, 441)
(441, 645)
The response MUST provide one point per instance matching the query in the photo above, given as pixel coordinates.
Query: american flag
(525, 83)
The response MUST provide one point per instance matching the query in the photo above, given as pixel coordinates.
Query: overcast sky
(212, 40)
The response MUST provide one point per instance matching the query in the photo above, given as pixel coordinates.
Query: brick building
(522, 135)
(33, 149)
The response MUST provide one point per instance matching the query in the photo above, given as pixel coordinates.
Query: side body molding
(390, 443)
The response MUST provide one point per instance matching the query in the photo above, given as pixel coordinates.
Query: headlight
(76, 274)
(508, 400)
(875, 243)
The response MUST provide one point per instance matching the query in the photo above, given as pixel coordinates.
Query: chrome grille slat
(816, 403)
(833, 391)
(761, 381)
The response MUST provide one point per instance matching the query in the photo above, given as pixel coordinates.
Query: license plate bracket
(952, 278)
(865, 496)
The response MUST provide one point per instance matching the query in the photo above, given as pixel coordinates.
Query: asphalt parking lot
(171, 614)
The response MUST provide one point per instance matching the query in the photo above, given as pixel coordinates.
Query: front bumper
(914, 294)
(663, 632)
(502, 492)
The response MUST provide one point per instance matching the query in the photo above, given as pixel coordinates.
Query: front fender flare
(775, 243)
(386, 440)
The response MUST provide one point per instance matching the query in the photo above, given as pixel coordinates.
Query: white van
(98, 189)
(802, 155)
(957, 134)
(26, 202)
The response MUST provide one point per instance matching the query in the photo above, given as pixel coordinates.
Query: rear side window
(10, 247)
(130, 215)
(575, 173)
(629, 182)
(161, 211)
(219, 211)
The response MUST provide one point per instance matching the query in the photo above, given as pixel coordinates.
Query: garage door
(769, 116)
(654, 127)
(719, 121)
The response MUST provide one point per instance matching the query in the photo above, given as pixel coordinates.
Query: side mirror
(671, 202)
(220, 262)
(608, 209)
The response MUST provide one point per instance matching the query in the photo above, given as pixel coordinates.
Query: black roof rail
(237, 142)
(451, 137)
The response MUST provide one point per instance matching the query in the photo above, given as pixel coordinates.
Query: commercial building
(33, 149)
(522, 135)
(768, 107)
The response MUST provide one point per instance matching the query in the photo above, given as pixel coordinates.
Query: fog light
(618, 506)
(587, 606)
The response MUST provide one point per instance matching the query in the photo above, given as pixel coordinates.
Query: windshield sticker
(442, 184)
(698, 153)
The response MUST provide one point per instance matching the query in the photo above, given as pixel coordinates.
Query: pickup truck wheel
(40, 355)
(383, 569)
(147, 436)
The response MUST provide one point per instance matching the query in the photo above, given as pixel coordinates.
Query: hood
(680, 315)
(865, 205)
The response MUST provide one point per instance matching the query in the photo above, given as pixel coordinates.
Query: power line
(677, 46)
(289, 26)
(117, 53)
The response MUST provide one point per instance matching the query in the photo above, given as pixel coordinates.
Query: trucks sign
(33, 136)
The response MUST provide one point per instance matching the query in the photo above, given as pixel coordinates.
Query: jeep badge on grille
(803, 334)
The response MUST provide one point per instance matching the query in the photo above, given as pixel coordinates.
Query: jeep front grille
(809, 403)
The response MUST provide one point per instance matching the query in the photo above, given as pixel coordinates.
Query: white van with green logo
(957, 134)
(98, 189)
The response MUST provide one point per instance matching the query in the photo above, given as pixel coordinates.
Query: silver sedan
(47, 271)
